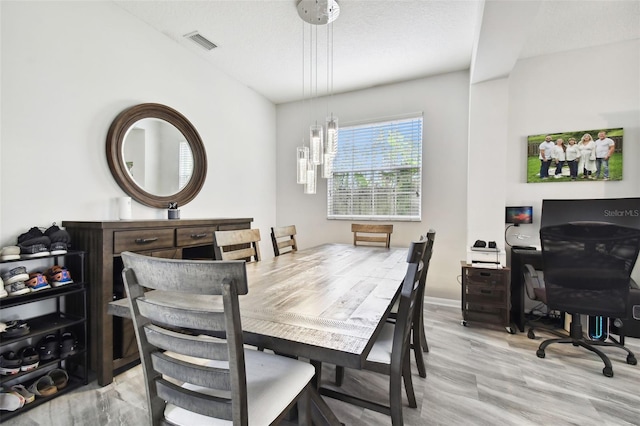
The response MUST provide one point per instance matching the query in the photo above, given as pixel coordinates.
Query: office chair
(587, 267)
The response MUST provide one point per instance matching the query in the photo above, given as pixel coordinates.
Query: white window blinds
(377, 172)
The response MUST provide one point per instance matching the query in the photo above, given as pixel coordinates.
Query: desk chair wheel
(464, 322)
(531, 334)
(540, 353)
(631, 360)
(607, 371)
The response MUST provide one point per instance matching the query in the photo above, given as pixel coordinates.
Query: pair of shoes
(11, 401)
(17, 288)
(9, 363)
(24, 392)
(58, 276)
(3, 291)
(10, 253)
(37, 281)
(15, 328)
(606, 178)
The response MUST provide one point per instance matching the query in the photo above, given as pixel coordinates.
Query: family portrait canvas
(575, 156)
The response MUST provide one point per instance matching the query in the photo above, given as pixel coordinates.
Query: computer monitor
(619, 211)
(518, 215)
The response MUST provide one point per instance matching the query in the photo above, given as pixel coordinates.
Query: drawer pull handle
(485, 274)
(146, 240)
(197, 236)
(485, 291)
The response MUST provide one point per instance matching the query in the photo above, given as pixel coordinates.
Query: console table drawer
(143, 240)
(194, 236)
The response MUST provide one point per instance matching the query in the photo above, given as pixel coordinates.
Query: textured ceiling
(260, 43)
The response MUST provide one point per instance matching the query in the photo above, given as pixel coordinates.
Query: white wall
(582, 89)
(68, 68)
(444, 101)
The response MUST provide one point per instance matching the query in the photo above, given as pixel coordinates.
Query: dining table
(326, 303)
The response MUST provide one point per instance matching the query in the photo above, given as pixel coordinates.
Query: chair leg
(408, 382)
(304, 407)
(395, 397)
(422, 335)
(417, 351)
(339, 375)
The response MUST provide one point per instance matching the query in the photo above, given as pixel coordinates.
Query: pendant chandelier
(323, 139)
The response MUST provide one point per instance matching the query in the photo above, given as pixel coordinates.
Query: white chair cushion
(381, 350)
(273, 381)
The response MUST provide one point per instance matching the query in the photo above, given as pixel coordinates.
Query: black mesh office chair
(587, 270)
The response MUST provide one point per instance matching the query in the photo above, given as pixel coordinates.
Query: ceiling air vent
(196, 37)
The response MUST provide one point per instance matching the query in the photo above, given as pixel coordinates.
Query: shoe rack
(48, 311)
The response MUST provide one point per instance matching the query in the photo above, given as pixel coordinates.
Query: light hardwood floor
(475, 376)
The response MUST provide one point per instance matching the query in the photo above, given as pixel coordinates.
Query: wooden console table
(113, 345)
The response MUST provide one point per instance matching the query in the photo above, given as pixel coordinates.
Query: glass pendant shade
(303, 163)
(327, 166)
(317, 144)
(332, 135)
(310, 184)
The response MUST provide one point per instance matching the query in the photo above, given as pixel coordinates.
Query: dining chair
(418, 337)
(371, 234)
(192, 378)
(390, 353)
(284, 237)
(237, 244)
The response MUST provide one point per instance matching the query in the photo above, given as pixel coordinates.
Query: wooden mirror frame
(119, 170)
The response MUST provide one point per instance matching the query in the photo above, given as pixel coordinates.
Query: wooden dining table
(326, 303)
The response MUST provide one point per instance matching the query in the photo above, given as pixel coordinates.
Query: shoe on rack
(68, 344)
(58, 276)
(17, 288)
(19, 273)
(60, 377)
(48, 348)
(3, 291)
(24, 392)
(10, 253)
(30, 358)
(34, 243)
(11, 401)
(37, 281)
(34, 250)
(15, 328)
(44, 386)
(60, 239)
(9, 363)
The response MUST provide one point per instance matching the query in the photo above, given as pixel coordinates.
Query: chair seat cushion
(273, 381)
(381, 350)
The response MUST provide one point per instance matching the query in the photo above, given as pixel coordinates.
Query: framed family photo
(575, 156)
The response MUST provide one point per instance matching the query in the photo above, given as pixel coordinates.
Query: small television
(518, 215)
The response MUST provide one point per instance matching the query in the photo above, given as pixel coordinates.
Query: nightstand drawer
(143, 240)
(478, 276)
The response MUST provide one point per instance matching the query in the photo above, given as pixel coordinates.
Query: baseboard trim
(451, 303)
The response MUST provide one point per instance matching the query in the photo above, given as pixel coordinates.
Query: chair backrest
(408, 302)
(366, 233)
(284, 238)
(190, 297)
(237, 244)
(587, 267)
(430, 238)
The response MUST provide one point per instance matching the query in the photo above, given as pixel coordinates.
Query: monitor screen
(518, 215)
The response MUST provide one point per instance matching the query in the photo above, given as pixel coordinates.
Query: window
(377, 172)
(185, 167)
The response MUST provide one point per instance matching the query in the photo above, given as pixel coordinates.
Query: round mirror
(156, 155)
